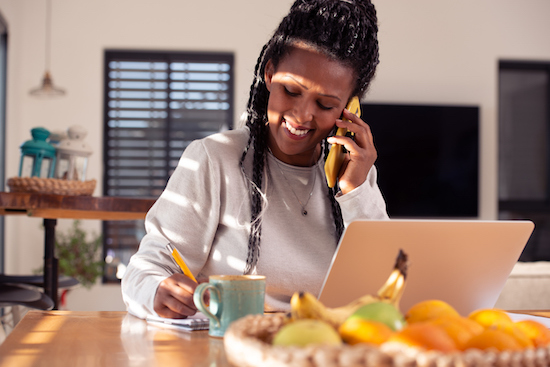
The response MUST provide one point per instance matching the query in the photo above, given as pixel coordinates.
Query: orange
(490, 317)
(538, 333)
(356, 330)
(517, 333)
(429, 309)
(460, 329)
(493, 338)
(424, 335)
(494, 318)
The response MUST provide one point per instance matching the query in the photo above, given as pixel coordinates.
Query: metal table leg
(50, 262)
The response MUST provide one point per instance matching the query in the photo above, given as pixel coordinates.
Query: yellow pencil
(179, 260)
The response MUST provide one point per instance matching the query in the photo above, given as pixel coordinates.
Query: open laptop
(463, 262)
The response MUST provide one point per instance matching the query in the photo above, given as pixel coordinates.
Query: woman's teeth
(294, 131)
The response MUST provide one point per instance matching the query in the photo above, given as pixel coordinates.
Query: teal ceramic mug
(231, 297)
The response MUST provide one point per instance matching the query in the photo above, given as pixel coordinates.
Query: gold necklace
(304, 211)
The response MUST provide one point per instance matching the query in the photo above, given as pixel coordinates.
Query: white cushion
(527, 287)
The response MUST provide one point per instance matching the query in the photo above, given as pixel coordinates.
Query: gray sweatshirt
(205, 213)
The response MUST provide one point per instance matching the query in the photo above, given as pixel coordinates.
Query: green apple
(307, 331)
(382, 312)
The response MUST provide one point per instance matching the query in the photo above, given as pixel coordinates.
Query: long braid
(336, 211)
(344, 30)
(256, 117)
(252, 115)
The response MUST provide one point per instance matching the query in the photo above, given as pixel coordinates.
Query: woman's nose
(304, 111)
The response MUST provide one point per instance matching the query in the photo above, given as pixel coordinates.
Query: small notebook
(196, 322)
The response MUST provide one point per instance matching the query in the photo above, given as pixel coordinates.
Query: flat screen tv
(428, 158)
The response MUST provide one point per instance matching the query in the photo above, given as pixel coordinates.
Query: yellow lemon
(490, 317)
(356, 330)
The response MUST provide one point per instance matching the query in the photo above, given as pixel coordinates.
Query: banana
(393, 289)
(304, 305)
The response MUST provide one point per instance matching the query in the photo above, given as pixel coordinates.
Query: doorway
(524, 150)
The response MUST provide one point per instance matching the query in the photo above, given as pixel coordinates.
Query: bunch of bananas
(304, 305)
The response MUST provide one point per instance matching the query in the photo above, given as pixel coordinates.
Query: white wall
(432, 51)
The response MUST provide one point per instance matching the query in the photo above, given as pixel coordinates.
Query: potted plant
(78, 256)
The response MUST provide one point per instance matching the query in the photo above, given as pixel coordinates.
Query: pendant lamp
(47, 88)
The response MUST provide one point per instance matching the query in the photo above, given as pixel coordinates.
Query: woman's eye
(323, 107)
(290, 93)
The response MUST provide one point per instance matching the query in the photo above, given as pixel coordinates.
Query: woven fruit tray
(51, 186)
(248, 344)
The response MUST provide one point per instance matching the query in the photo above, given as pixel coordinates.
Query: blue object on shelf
(37, 155)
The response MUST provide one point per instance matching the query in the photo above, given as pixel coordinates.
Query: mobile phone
(336, 154)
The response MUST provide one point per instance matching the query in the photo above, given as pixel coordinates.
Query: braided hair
(343, 30)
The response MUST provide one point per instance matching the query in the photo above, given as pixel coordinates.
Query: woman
(255, 199)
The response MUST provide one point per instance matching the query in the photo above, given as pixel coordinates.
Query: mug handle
(198, 297)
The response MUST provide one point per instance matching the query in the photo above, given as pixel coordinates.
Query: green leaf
(78, 257)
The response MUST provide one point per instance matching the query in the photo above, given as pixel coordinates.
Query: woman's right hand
(174, 297)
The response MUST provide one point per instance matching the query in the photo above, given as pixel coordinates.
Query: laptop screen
(463, 262)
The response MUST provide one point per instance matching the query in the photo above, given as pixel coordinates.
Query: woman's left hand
(361, 152)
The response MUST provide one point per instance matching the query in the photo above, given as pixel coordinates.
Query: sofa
(527, 287)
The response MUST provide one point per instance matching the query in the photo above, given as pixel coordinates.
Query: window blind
(156, 103)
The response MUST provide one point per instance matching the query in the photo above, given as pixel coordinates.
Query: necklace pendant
(304, 212)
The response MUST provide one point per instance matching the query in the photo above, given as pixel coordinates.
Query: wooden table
(65, 338)
(53, 207)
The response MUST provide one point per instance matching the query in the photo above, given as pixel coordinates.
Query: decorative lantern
(37, 155)
(72, 155)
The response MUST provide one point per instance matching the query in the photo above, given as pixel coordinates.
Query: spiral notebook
(463, 262)
(196, 322)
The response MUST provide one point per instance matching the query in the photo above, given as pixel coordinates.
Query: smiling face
(308, 92)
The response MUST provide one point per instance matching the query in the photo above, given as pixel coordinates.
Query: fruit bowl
(248, 344)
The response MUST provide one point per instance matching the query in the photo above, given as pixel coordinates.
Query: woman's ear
(268, 74)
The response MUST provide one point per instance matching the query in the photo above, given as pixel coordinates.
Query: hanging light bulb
(47, 88)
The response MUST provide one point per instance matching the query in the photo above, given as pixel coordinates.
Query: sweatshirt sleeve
(189, 202)
(364, 202)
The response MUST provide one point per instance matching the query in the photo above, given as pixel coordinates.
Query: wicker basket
(247, 343)
(51, 186)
